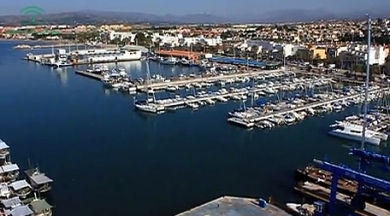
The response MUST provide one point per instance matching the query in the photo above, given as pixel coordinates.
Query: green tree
(143, 40)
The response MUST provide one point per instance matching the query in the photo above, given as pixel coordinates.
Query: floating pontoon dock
(163, 85)
(226, 95)
(235, 206)
(314, 105)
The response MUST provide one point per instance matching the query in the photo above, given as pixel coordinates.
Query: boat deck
(234, 206)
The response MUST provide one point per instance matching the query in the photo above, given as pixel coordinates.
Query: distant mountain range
(98, 17)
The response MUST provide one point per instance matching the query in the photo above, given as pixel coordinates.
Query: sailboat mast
(147, 75)
(284, 58)
(365, 107)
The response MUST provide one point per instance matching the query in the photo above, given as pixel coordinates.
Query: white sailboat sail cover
(19, 185)
(40, 179)
(19, 211)
(3, 145)
(9, 203)
(9, 168)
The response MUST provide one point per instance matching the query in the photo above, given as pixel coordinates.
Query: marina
(278, 97)
(221, 95)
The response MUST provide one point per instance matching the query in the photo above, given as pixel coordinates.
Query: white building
(122, 35)
(290, 49)
(377, 55)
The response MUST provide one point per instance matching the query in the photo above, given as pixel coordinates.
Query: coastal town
(278, 75)
(331, 42)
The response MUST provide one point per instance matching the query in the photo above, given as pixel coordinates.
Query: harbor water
(107, 159)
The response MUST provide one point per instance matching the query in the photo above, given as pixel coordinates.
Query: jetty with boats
(22, 197)
(295, 109)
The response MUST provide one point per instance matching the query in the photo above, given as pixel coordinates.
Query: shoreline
(37, 41)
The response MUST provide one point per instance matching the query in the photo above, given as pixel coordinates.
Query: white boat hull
(149, 108)
(370, 140)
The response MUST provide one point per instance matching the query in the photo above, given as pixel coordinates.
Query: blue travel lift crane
(366, 159)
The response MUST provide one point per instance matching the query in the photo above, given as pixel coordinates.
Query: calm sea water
(107, 159)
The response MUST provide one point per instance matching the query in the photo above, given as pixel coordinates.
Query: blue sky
(180, 7)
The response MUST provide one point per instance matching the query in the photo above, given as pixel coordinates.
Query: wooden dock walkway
(322, 193)
(312, 105)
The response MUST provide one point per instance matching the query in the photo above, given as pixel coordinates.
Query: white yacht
(149, 107)
(241, 122)
(355, 133)
(60, 64)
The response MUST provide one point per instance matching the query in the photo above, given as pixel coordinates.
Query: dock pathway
(185, 101)
(312, 105)
(162, 85)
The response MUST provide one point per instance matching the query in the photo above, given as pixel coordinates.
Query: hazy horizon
(217, 7)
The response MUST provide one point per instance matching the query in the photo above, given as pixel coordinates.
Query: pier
(186, 101)
(336, 76)
(312, 105)
(162, 85)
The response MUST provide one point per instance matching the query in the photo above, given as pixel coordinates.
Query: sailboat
(150, 104)
(359, 133)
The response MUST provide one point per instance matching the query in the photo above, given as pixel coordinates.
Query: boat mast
(253, 81)
(148, 82)
(365, 107)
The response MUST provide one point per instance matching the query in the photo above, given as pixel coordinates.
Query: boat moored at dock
(355, 133)
(4, 150)
(40, 207)
(9, 172)
(38, 180)
(21, 188)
